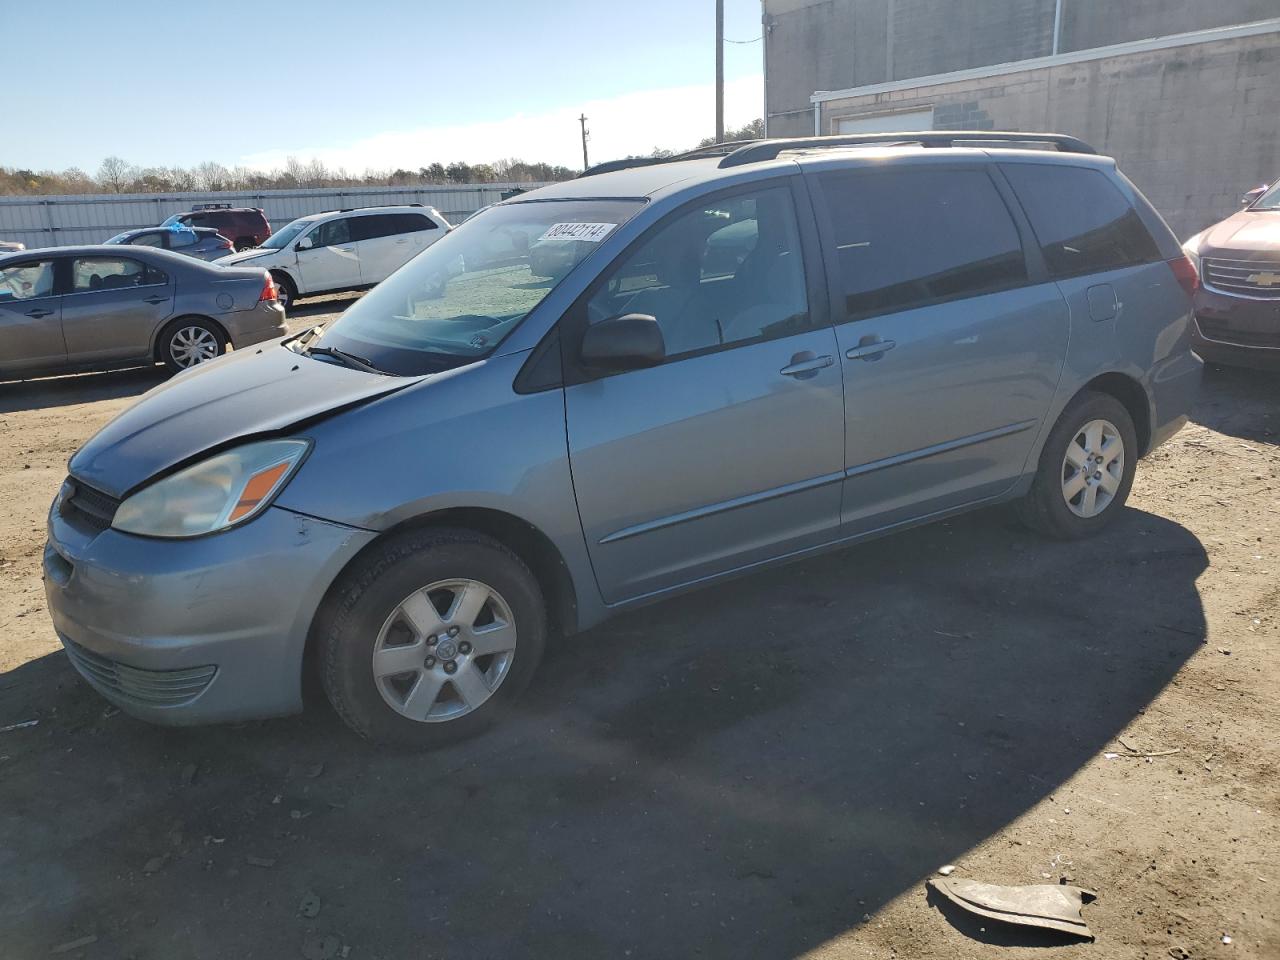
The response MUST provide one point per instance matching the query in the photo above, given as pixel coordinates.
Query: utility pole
(719, 71)
(583, 120)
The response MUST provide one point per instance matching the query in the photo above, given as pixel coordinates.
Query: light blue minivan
(613, 389)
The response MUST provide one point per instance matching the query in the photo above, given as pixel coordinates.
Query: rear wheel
(433, 636)
(190, 341)
(286, 292)
(244, 243)
(1086, 469)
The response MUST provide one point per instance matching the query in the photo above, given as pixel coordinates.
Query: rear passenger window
(107, 273)
(908, 238)
(373, 226)
(1082, 221)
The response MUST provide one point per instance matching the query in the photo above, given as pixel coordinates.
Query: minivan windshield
(457, 300)
(285, 235)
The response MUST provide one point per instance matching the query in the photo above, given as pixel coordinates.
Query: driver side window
(333, 233)
(722, 273)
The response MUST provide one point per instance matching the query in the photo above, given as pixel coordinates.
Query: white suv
(343, 249)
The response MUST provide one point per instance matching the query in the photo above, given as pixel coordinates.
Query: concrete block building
(1185, 94)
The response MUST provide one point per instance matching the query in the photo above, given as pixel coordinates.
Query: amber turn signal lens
(257, 489)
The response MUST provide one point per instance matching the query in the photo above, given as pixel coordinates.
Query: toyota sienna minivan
(757, 354)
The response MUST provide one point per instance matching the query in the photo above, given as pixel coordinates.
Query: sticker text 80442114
(590, 232)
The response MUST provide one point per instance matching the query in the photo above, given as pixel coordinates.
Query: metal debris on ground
(1046, 906)
(19, 726)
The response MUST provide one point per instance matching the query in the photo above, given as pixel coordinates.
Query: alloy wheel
(1093, 468)
(444, 650)
(192, 345)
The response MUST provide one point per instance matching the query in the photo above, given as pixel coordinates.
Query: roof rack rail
(758, 150)
(375, 206)
(710, 150)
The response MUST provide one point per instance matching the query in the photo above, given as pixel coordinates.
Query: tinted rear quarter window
(413, 222)
(906, 238)
(1082, 221)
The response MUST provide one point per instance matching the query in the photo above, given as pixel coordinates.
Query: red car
(245, 227)
(1238, 303)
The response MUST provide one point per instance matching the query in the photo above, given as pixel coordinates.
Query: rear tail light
(226, 245)
(268, 290)
(1185, 272)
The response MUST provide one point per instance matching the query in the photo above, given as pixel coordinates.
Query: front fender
(461, 440)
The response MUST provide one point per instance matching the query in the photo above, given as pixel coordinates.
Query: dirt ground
(767, 769)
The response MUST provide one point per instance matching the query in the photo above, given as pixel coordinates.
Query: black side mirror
(1252, 195)
(624, 343)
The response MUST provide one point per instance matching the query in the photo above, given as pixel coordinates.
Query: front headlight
(215, 494)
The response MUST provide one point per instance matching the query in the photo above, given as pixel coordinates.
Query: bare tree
(115, 174)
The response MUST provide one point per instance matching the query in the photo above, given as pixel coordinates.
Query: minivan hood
(245, 394)
(1249, 231)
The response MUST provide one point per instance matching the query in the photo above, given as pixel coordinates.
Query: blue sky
(367, 84)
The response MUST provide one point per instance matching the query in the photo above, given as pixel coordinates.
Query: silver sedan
(94, 307)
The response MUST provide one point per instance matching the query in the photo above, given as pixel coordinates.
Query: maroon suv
(244, 226)
(1238, 303)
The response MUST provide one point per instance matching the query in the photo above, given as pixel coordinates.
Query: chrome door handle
(870, 349)
(806, 363)
(403, 240)
(38, 313)
(154, 299)
(347, 249)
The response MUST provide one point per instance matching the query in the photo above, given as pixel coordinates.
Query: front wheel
(1086, 469)
(190, 341)
(433, 635)
(286, 292)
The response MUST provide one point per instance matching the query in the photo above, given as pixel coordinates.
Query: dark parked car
(203, 243)
(756, 357)
(1238, 303)
(245, 226)
(68, 308)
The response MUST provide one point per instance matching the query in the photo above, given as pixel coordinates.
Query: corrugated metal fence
(92, 218)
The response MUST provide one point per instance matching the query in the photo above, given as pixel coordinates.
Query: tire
(1047, 508)
(189, 341)
(244, 243)
(394, 609)
(286, 289)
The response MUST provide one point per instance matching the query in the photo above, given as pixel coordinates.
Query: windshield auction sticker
(590, 232)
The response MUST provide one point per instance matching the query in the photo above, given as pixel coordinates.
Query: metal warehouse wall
(837, 44)
(92, 218)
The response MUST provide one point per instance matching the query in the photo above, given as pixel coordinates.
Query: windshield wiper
(348, 359)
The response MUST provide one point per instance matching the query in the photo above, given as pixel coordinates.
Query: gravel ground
(769, 768)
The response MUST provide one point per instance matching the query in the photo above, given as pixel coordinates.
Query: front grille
(147, 688)
(1252, 278)
(86, 508)
(1225, 332)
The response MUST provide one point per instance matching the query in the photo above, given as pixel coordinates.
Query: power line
(756, 40)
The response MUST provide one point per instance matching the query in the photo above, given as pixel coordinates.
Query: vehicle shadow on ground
(61, 391)
(1228, 400)
(741, 772)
